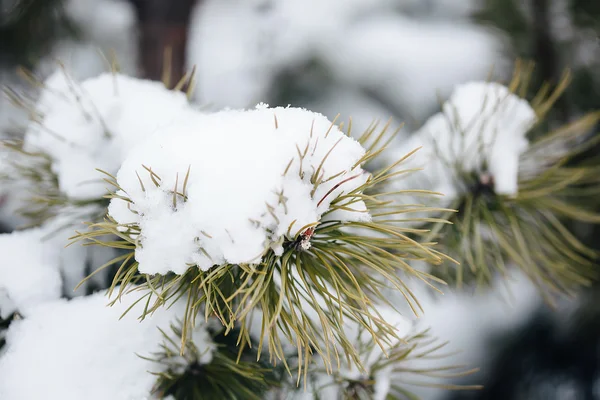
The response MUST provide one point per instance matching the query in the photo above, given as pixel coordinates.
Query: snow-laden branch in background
(480, 131)
(93, 124)
(510, 183)
(76, 128)
(414, 361)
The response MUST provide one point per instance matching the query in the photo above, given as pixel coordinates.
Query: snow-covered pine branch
(261, 209)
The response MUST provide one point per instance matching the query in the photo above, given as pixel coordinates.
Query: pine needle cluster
(226, 376)
(492, 233)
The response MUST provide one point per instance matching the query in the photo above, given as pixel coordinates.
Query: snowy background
(369, 60)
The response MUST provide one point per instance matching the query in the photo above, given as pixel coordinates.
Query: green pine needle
(45, 200)
(414, 361)
(223, 378)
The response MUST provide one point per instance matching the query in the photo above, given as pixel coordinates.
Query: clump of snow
(481, 130)
(248, 188)
(29, 271)
(93, 124)
(88, 352)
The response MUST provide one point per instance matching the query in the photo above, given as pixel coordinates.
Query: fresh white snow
(29, 271)
(80, 349)
(482, 129)
(249, 185)
(94, 123)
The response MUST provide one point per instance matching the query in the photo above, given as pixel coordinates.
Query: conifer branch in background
(492, 231)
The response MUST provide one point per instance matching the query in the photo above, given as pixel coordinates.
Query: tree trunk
(163, 35)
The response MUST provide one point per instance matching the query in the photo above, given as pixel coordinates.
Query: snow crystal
(29, 272)
(93, 124)
(482, 130)
(80, 349)
(249, 185)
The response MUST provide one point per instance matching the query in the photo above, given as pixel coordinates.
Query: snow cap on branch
(482, 130)
(93, 124)
(226, 187)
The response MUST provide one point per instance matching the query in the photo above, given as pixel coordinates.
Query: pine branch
(493, 233)
(328, 272)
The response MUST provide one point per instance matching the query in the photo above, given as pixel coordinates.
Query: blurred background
(372, 60)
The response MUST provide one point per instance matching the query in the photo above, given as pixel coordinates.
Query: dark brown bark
(163, 30)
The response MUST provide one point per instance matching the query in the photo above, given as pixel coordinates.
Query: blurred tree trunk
(163, 30)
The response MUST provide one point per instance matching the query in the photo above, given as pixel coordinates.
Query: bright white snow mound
(29, 271)
(94, 123)
(253, 181)
(482, 129)
(79, 349)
